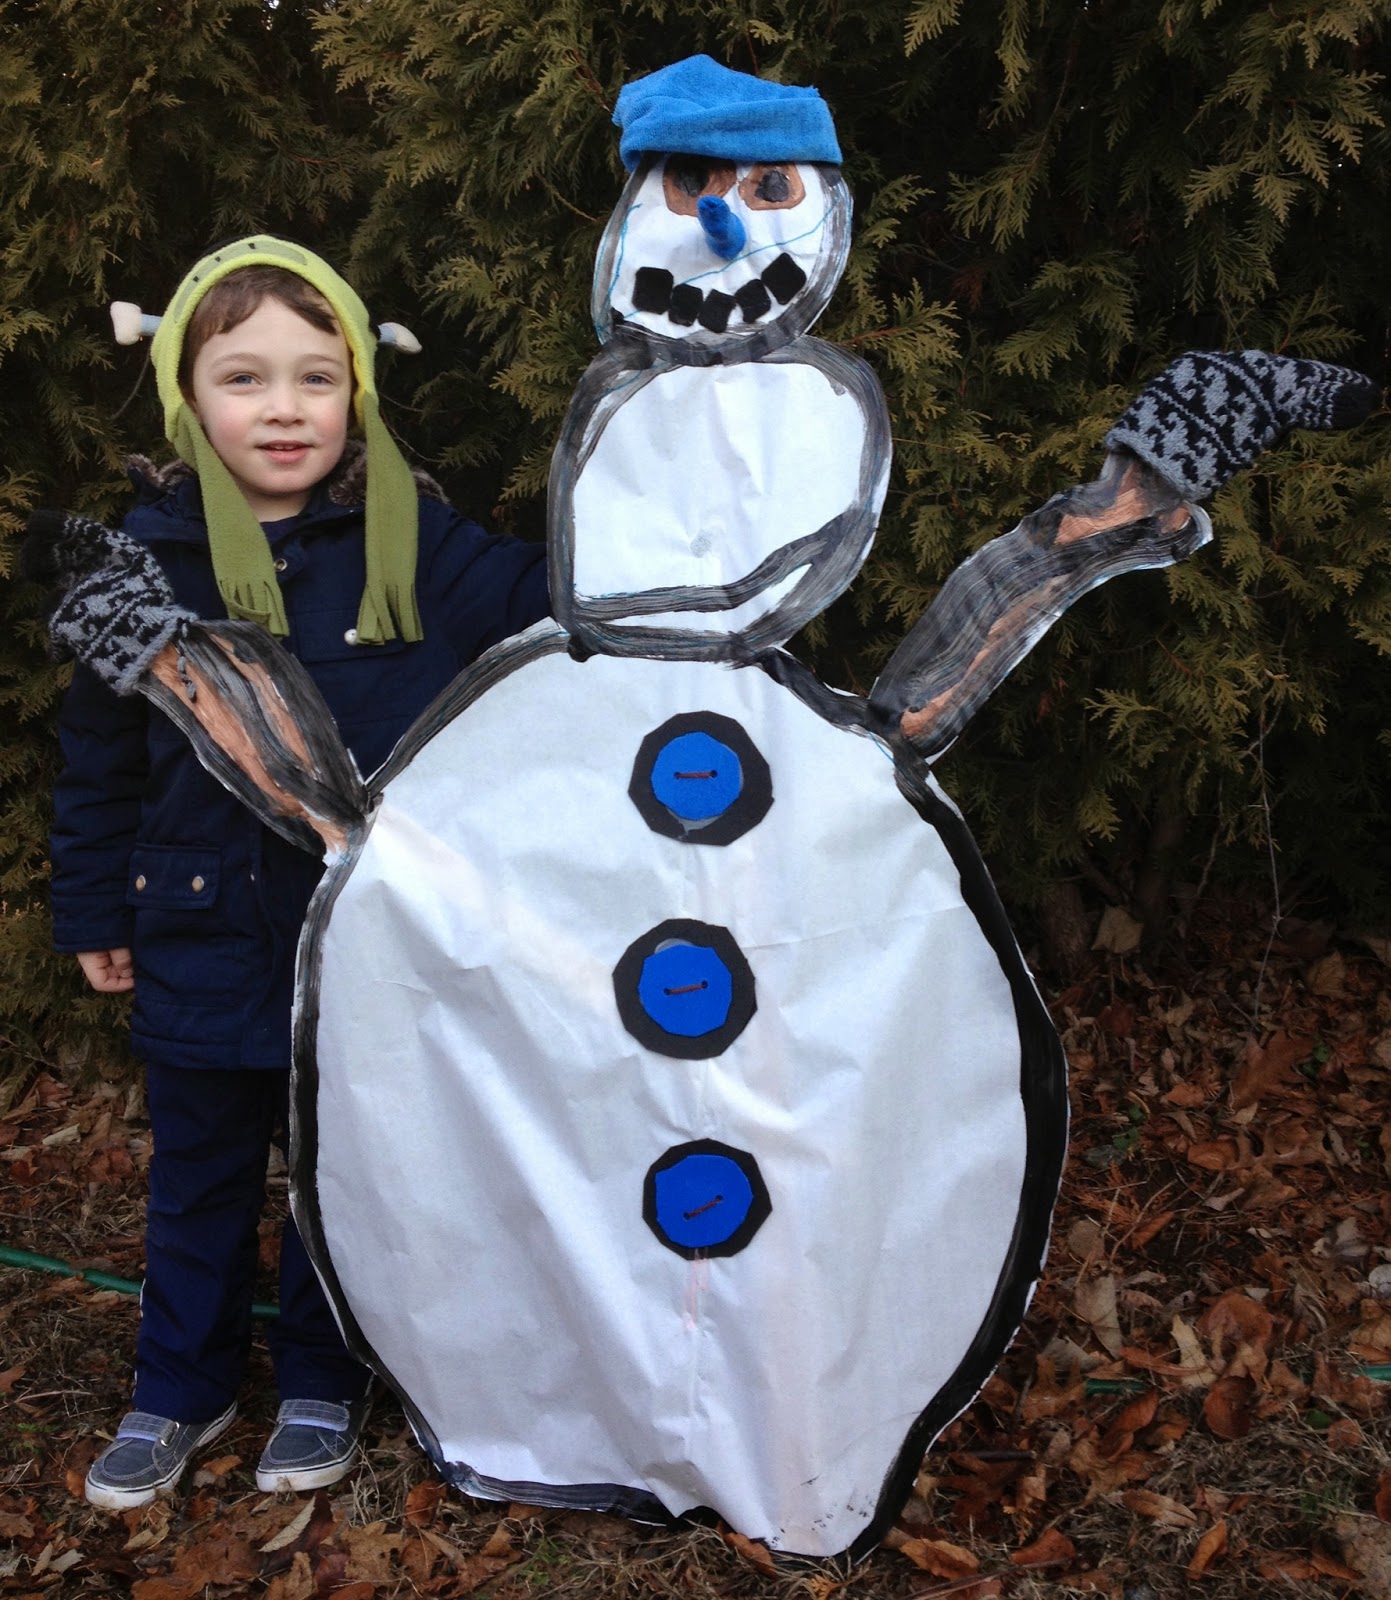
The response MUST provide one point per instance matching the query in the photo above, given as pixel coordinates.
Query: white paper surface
(485, 1121)
(655, 236)
(704, 472)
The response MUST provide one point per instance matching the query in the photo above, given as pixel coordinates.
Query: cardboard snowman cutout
(677, 1125)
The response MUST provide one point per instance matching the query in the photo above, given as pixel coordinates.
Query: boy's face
(273, 396)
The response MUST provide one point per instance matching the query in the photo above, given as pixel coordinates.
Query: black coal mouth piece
(655, 290)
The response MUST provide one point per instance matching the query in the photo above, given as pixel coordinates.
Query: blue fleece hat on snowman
(696, 107)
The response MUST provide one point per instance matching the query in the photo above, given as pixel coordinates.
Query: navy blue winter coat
(149, 851)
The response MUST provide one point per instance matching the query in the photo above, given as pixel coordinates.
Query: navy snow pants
(212, 1136)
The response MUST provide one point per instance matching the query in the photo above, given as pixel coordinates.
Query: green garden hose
(98, 1280)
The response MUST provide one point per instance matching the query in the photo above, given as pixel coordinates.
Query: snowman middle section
(703, 1159)
(708, 510)
(703, 468)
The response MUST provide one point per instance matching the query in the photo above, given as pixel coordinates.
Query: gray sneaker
(313, 1444)
(147, 1457)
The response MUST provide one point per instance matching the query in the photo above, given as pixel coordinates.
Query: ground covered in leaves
(1199, 1396)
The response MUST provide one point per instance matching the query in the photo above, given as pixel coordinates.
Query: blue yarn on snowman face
(736, 220)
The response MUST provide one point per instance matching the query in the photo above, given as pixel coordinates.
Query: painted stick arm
(996, 606)
(254, 716)
(257, 722)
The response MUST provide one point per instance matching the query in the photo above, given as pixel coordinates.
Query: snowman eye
(687, 179)
(772, 187)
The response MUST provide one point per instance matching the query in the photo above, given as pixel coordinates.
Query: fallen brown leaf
(500, 1544)
(219, 1556)
(370, 1553)
(1095, 1303)
(1192, 1358)
(1267, 1067)
(1212, 1544)
(211, 1471)
(149, 1525)
(291, 1531)
(423, 1502)
(1343, 1434)
(1050, 1549)
(939, 1557)
(1213, 1155)
(1326, 1567)
(1145, 1232)
(1229, 1407)
(163, 1589)
(1357, 1394)
(1103, 1475)
(1235, 1320)
(1030, 1495)
(757, 1555)
(1371, 1339)
(1186, 1095)
(296, 1584)
(1049, 1397)
(1138, 1413)
(1287, 1566)
(1160, 1508)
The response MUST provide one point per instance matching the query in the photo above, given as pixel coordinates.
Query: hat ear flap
(242, 562)
(388, 600)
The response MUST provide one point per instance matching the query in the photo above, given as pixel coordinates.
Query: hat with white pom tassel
(241, 556)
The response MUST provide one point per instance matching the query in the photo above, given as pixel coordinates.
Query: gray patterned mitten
(1210, 414)
(115, 610)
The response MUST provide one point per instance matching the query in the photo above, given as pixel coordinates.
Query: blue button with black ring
(685, 989)
(704, 1198)
(700, 779)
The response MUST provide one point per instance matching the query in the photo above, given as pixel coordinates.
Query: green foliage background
(1053, 199)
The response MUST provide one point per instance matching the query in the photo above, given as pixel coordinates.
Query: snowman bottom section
(589, 1254)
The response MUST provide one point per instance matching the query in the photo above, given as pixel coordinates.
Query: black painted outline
(827, 558)
(491, 668)
(744, 342)
(760, 1206)
(744, 812)
(1043, 1091)
(743, 998)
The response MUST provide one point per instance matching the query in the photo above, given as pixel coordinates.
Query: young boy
(164, 884)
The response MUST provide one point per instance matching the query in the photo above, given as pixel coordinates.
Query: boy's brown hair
(232, 299)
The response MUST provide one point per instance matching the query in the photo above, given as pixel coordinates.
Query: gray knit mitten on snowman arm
(115, 610)
(1210, 414)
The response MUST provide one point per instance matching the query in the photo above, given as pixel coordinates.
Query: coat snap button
(350, 637)
(140, 882)
(280, 563)
(198, 884)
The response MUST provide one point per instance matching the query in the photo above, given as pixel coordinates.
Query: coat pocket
(174, 877)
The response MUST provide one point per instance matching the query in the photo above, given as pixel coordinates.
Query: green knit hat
(241, 554)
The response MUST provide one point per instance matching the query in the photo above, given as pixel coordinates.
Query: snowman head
(734, 228)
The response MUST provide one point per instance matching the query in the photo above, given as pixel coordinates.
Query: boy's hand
(1209, 414)
(115, 610)
(108, 971)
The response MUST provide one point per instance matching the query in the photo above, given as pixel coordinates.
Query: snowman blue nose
(724, 232)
